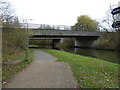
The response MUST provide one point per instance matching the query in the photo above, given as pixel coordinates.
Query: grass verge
(90, 72)
(10, 70)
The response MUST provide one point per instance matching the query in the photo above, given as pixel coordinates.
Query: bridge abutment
(85, 42)
(62, 40)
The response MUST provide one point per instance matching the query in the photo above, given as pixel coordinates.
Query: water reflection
(102, 54)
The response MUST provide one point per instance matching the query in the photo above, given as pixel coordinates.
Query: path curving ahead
(44, 72)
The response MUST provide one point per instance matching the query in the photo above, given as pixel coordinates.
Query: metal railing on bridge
(45, 26)
(55, 27)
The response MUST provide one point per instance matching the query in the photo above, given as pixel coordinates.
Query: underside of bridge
(81, 41)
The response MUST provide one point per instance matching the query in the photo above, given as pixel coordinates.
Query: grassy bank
(89, 72)
(10, 69)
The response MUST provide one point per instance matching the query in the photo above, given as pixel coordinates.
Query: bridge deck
(63, 33)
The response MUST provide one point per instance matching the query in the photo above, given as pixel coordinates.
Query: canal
(110, 56)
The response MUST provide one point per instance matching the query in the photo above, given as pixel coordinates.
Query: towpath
(44, 72)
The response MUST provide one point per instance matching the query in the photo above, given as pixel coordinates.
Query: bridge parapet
(62, 33)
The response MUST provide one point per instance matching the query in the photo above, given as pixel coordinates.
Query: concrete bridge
(82, 38)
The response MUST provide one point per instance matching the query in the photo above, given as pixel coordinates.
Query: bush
(109, 41)
(14, 41)
(40, 42)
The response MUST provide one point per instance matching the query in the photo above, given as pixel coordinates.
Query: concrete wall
(62, 40)
(82, 42)
(85, 42)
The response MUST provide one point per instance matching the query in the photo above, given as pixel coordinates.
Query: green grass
(10, 70)
(89, 72)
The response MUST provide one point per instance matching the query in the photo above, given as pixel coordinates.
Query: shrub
(14, 40)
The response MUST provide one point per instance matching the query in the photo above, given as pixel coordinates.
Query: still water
(102, 54)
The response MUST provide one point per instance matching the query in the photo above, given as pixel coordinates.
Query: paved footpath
(44, 72)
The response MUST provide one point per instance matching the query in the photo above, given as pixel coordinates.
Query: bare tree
(6, 13)
(109, 19)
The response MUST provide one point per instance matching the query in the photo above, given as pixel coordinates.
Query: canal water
(110, 56)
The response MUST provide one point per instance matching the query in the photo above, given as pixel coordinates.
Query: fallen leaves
(4, 83)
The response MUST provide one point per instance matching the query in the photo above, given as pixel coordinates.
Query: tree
(7, 15)
(16, 22)
(13, 36)
(109, 19)
(110, 38)
(6, 11)
(85, 23)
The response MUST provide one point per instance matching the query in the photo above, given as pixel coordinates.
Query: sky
(60, 12)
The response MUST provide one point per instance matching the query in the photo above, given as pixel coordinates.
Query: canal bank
(89, 72)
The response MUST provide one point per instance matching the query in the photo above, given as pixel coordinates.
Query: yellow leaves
(4, 83)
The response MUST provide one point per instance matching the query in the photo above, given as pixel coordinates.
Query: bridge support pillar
(62, 40)
(84, 42)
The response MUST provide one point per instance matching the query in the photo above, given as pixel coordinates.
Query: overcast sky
(60, 12)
